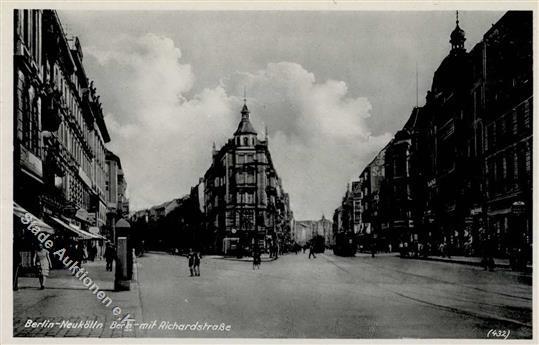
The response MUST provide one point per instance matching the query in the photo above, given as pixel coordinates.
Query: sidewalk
(65, 298)
(361, 254)
(467, 260)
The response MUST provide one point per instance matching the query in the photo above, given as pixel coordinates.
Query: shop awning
(499, 212)
(94, 230)
(87, 235)
(21, 212)
(80, 233)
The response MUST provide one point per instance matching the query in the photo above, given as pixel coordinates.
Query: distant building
(369, 194)
(305, 230)
(116, 189)
(347, 217)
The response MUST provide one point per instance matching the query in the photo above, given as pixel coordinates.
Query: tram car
(345, 244)
(319, 243)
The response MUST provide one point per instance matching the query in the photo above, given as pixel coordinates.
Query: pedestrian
(191, 261)
(311, 251)
(196, 264)
(79, 253)
(100, 250)
(449, 248)
(43, 263)
(389, 248)
(85, 255)
(488, 254)
(17, 261)
(109, 256)
(71, 250)
(256, 259)
(92, 252)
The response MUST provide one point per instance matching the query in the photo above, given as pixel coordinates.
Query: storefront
(61, 232)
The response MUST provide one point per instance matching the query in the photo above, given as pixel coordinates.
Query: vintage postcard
(262, 171)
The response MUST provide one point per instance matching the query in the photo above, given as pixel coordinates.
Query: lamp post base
(122, 285)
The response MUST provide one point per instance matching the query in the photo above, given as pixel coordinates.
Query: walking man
(79, 253)
(256, 259)
(196, 264)
(109, 256)
(17, 261)
(191, 261)
(488, 254)
(311, 251)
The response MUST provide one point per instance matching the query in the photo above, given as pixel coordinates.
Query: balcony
(30, 162)
(52, 117)
(246, 185)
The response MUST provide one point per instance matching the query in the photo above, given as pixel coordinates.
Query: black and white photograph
(255, 172)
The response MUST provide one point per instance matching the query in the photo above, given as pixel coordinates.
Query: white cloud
(318, 137)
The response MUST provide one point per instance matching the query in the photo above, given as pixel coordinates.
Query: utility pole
(416, 86)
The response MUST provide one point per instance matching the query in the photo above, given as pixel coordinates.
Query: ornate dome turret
(457, 37)
(245, 126)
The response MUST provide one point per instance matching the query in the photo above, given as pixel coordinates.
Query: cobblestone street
(326, 297)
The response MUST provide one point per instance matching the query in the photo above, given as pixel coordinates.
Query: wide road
(334, 297)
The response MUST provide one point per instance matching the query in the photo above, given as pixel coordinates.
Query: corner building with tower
(244, 201)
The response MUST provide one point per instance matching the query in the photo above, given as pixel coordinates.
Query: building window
(249, 178)
(240, 178)
(25, 27)
(491, 136)
(527, 111)
(509, 164)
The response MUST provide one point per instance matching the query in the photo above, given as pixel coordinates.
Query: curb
(462, 262)
(244, 260)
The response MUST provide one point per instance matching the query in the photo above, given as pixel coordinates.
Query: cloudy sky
(332, 88)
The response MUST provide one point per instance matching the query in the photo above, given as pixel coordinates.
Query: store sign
(92, 218)
(58, 182)
(518, 207)
(82, 214)
(476, 211)
(31, 162)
